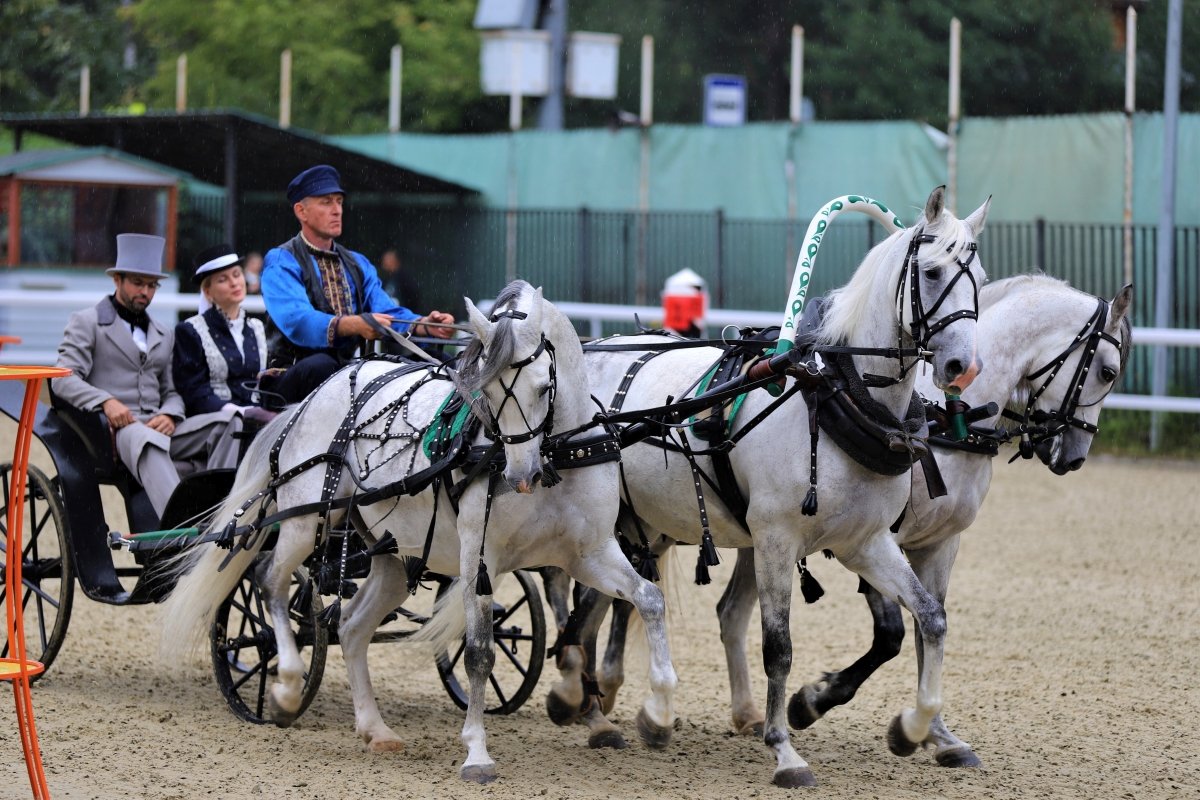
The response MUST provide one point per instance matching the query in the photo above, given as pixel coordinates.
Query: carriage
(68, 541)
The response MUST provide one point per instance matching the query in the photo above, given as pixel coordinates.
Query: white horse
(1053, 354)
(361, 432)
(916, 288)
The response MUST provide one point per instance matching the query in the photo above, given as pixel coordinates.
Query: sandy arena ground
(1071, 667)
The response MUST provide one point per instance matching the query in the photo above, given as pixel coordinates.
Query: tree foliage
(340, 59)
(48, 42)
(864, 59)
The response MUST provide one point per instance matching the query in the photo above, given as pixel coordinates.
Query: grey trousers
(204, 441)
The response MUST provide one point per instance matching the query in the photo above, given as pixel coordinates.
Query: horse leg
(294, 544)
(610, 673)
(479, 657)
(733, 612)
(773, 571)
(610, 572)
(881, 563)
(815, 700)
(558, 594)
(385, 588)
(933, 567)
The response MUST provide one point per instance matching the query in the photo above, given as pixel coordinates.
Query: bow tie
(138, 319)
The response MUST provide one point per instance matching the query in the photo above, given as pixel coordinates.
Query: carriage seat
(96, 434)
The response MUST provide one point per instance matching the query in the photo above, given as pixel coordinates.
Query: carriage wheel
(47, 574)
(519, 631)
(243, 645)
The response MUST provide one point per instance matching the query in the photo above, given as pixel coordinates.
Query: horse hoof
(655, 737)
(897, 742)
(959, 757)
(794, 778)
(478, 773)
(612, 739)
(278, 714)
(560, 711)
(753, 728)
(802, 709)
(385, 746)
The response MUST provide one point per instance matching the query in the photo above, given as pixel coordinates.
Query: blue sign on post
(724, 100)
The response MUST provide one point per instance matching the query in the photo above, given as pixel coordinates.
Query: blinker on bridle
(1089, 337)
(920, 315)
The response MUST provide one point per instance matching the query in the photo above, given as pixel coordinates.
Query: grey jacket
(99, 349)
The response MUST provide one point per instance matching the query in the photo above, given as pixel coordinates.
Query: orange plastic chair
(6, 339)
(17, 668)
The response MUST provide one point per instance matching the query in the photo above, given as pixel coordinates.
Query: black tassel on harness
(483, 584)
(386, 546)
(809, 587)
(550, 476)
(809, 507)
(332, 615)
(647, 565)
(414, 569)
(707, 558)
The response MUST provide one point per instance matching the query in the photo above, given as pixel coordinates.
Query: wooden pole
(181, 84)
(952, 125)
(285, 89)
(394, 91)
(85, 91)
(1130, 84)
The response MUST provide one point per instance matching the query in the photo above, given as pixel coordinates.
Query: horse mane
(479, 368)
(848, 305)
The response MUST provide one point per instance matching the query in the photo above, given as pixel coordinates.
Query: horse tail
(202, 578)
(447, 624)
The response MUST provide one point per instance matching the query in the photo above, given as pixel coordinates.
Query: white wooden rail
(166, 306)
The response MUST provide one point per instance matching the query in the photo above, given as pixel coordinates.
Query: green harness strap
(444, 430)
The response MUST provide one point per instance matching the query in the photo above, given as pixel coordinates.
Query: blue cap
(314, 182)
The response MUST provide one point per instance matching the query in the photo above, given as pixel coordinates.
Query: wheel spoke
(496, 687)
(512, 656)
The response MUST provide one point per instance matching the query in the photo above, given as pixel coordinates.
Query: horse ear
(1121, 304)
(978, 217)
(538, 307)
(482, 325)
(934, 205)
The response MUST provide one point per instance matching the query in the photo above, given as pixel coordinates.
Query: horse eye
(542, 391)
(1108, 374)
(933, 273)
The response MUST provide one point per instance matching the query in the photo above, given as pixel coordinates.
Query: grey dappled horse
(524, 376)
(915, 289)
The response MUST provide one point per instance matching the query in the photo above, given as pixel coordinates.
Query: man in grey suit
(120, 363)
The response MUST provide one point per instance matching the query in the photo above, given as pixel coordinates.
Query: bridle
(920, 329)
(1048, 424)
(547, 423)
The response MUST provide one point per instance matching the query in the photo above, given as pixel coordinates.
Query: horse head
(1064, 408)
(938, 291)
(509, 378)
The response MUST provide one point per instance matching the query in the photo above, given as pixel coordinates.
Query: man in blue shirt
(317, 292)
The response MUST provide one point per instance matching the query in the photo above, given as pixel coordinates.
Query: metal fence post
(1039, 244)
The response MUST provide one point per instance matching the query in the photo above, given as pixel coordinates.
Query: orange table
(17, 668)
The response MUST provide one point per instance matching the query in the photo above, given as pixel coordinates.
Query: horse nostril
(954, 368)
(1076, 464)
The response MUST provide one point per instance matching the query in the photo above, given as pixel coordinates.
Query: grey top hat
(139, 254)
